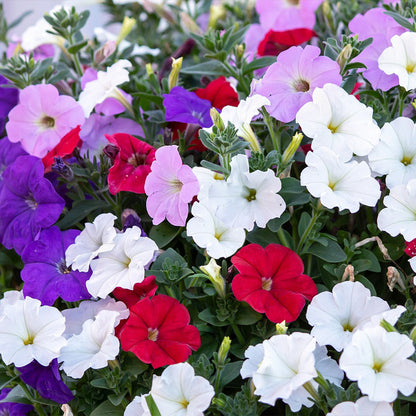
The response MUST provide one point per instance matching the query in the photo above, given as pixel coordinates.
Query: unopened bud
(126, 28)
(111, 151)
(149, 70)
(105, 51)
(387, 326)
(344, 56)
(216, 13)
(326, 9)
(240, 49)
(174, 73)
(291, 149)
(223, 351)
(216, 119)
(281, 328)
(61, 168)
(213, 271)
(189, 24)
(412, 334)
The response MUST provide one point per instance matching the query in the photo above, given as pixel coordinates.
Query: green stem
(314, 394)
(75, 58)
(39, 409)
(282, 237)
(238, 334)
(272, 131)
(316, 214)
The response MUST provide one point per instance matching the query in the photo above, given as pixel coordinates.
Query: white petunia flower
(400, 59)
(337, 120)
(288, 364)
(206, 178)
(124, 265)
(395, 155)
(399, 216)
(412, 262)
(339, 184)
(247, 197)
(362, 407)
(88, 309)
(29, 331)
(97, 237)
(177, 392)
(336, 316)
(377, 360)
(211, 233)
(93, 347)
(105, 86)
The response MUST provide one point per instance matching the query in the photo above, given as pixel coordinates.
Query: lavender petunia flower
(186, 107)
(8, 153)
(13, 409)
(46, 274)
(28, 203)
(8, 99)
(46, 381)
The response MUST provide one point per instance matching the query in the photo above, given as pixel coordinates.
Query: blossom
(42, 118)
(219, 93)
(140, 291)
(95, 128)
(124, 265)
(9, 152)
(411, 251)
(186, 107)
(395, 154)
(291, 80)
(340, 184)
(131, 164)
(375, 24)
(377, 360)
(170, 186)
(400, 59)
(335, 316)
(246, 197)
(105, 86)
(11, 408)
(46, 380)
(93, 347)
(28, 203)
(284, 15)
(9, 98)
(271, 281)
(339, 121)
(211, 233)
(399, 216)
(29, 331)
(287, 364)
(97, 237)
(158, 331)
(362, 407)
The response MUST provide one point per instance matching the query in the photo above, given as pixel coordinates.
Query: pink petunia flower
(42, 118)
(170, 186)
(291, 80)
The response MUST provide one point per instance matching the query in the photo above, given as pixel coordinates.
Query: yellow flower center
(266, 283)
(407, 160)
(29, 339)
(184, 403)
(152, 334)
(410, 67)
(377, 367)
(47, 122)
(332, 128)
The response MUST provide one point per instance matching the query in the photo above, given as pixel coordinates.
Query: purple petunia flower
(291, 80)
(28, 203)
(186, 107)
(46, 381)
(381, 27)
(8, 153)
(8, 99)
(46, 274)
(13, 409)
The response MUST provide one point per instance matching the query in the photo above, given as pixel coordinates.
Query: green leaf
(293, 193)
(16, 395)
(206, 68)
(154, 411)
(230, 372)
(151, 97)
(79, 211)
(276, 223)
(207, 316)
(77, 47)
(327, 250)
(116, 399)
(108, 409)
(366, 283)
(304, 221)
(262, 236)
(259, 63)
(402, 21)
(164, 233)
(247, 315)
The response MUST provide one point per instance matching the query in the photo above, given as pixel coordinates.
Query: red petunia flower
(158, 332)
(131, 163)
(220, 93)
(140, 291)
(64, 148)
(410, 249)
(271, 281)
(276, 42)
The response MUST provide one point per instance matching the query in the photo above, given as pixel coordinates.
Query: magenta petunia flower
(381, 27)
(287, 14)
(291, 80)
(170, 186)
(42, 118)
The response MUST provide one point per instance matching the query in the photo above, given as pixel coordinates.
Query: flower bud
(174, 73)
(344, 56)
(213, 271)
(387, 326)
(281, 328)
(412, 334)
(126, 28)
(216, 118)
(61, 168)
(105, 51)
(216, 13)
(223, 351)
(291, 149)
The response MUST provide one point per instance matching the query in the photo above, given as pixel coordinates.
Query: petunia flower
(169, 187)
(28, 203)
(337, 120)
(42, 118)
(291, 80)
(93, 347)
(12, 408)
(400, 59)
(158, 332)
(399, 216)
(141, 290)
(362, 407)
(411, 251)
(46, 274)
(124, 265)
(270, 280)
(335, 316)
(106, 86)
(46, 380)
(131, 164)
(288, 363)
(340, 184)
(9, 152)
(29, 331)
(219, 93)
(378, 361)
(9, 98)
